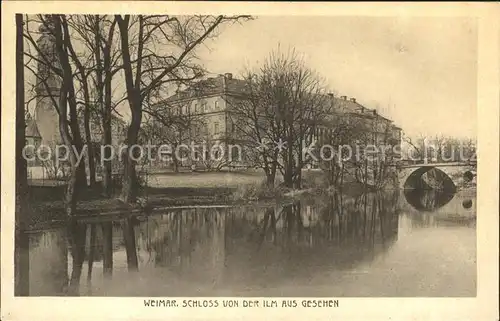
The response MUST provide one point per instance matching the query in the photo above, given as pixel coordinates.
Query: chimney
(374, 111)
(228, 75)
(353, 100)
(343, 97)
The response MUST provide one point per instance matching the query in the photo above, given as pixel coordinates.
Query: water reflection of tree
(363, 221)
(299, 238)
(174, 236)
(76, 239)
(340, 232)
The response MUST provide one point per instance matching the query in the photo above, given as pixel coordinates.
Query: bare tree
(340, 132)
(21, 263)
(287, 100)
(252, 117)
(165, 123)
(97, 33)
(147, 68)
(417, 149)
(56, 62)
(386, 158)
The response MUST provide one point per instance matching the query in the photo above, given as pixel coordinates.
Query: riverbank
(166, 190)
(46, 204)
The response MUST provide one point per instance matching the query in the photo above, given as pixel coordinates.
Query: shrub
(315, 179)
(254, 192)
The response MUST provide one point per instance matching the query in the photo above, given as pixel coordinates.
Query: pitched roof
(229, 85)
(210, 86)
(32, 129)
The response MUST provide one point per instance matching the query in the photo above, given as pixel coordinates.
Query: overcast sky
(421, 72)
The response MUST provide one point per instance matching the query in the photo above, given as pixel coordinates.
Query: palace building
(209, 103)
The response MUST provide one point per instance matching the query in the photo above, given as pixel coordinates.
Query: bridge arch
(415, 179)
(451, 175)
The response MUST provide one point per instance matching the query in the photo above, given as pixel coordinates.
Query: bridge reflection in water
(263, 251)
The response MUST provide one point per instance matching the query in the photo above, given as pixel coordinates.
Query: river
(393, 244)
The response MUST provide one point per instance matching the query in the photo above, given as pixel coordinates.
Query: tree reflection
(77, 233)
(128, 226)
(252, 243)
(107, 245)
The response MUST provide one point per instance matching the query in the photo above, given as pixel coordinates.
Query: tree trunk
(76, 141)
(270, 177)
(104, 92)
(288, 177)
(341, 174)
(71, 193)
(298, 178)
(130, 181)
(67, 98)
(289, 164)
(175, 162)
(107, 139)
(88, 139)
(107, 179)
(21, 264)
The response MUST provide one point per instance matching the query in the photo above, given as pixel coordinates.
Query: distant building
(34, 139)
(209, 102)
(43, 128)
(370, 127)
(208, 106)
(47, 91)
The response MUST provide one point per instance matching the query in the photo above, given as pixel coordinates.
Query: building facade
(206, 107)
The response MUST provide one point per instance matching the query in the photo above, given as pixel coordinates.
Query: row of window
(235, 154)
(198, 108)
(216, 128)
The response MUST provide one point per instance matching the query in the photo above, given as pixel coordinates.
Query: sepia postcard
(231, 160)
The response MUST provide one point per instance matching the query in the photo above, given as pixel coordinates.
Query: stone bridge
(410, 176)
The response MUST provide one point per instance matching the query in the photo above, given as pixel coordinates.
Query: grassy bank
(170, 189)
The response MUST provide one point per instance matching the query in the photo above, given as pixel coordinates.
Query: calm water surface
(391, 244)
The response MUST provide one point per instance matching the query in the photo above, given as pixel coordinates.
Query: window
(234, 152)
(196, 108)
(216, 127)
(204, 107)
(216, 105)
